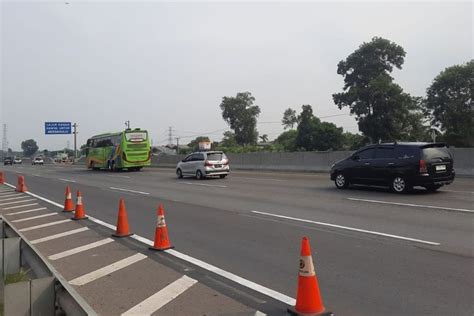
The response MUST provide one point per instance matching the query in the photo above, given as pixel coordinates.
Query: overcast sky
(161, 64)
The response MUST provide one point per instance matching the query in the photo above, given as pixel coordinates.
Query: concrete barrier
(311, 161)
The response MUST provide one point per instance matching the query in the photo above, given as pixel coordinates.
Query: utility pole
(4, 142)
(170, 135)
(75, 142)
(177, 145)
(127, 123)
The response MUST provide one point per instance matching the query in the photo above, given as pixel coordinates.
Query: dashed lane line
(114, 176)
(128, 190)
(204, 265)
(162, 297)
(19, 206)
(80, 249)
(44, 225)
(33, 217)
(204, 184)
(455, 191)
(27, 211)
(17, 202)
(261, 179)
(349, 228)
(60, 235)
(67, 180)
(99, 273)
(414, 205)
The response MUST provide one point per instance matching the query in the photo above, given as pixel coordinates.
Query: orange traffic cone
(162, 241)
(21, 186)
(2, 178)
(122, 229)
(68, 204)
(308, 298)
(79, 212)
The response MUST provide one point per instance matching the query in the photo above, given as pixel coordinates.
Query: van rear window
(215, 156)
(436, 152)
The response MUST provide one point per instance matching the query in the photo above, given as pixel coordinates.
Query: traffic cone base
(122, 229)
(293, 311)
(79, 218)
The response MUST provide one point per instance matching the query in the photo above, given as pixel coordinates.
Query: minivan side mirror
(355, 157)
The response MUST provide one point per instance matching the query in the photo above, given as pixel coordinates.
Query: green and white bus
(129, 149)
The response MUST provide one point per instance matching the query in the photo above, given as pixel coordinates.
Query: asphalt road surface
(375, 252)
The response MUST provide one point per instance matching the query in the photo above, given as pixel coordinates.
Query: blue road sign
(56, 128)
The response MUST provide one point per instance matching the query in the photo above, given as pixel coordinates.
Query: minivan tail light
(207, 164)
(225, 161)
(423, 168)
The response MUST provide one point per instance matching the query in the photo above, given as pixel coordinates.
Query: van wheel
(222, 176)
(399, 185)
(341, 181)
(199, 175)
(433, 188)
(179, 174)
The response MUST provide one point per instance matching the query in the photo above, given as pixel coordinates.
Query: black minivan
(401, 166)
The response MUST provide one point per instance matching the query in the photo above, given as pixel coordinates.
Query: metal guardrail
(48, 291)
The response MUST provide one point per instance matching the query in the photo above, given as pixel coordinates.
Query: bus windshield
(135, 136)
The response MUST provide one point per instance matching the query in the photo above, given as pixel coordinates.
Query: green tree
(263, 138)
(29, 147)
(241, 114)
(353, 141)
(450, 104)
(379, 104)
(288, 140)
(228, 140)
(289, 118)
(304, 138)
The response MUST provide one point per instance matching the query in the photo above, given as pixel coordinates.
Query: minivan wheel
(179, 174)
(199, 175)
(341, 181)
(399, 185)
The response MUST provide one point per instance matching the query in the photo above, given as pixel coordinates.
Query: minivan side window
(385, 153)
(188, 158)
(366, 154)
(198, 157)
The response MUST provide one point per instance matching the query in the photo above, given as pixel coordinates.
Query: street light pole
(75, 142)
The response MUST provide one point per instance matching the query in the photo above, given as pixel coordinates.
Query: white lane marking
(469, 192)
(67, 180)
(16, 202)
(13, 198)
(112, 176)
(10, 194)
(27, 211)
(204, 184)
(349, 228)
(209, 267)
(97, 274)
(33, 217)
(80, 249)
(19, 206)
(162, 297)
(36, 175)
(263, 179)
(60, 235)
(44, 225)
(127, 190)
(414, 205)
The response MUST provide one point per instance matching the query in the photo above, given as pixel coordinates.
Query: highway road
(375, 252)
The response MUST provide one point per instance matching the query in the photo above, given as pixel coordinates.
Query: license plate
(440, 167)
(217, 166)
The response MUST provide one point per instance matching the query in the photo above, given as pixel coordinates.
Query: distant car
(17, 161)
(37, 161)
(204, 164)
(7, 161)
(401, 166)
